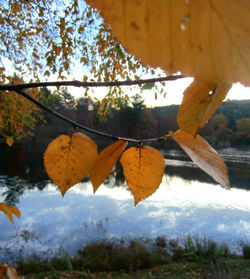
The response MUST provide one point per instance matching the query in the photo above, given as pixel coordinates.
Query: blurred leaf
(9, 141)
(205, 39)
(10, 210)
(148, 86)
(11, 273)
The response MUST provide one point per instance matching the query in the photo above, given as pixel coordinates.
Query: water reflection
(22, 169)
(184, 207)
(186, 202)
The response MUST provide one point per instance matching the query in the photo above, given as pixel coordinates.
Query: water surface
(187, 201)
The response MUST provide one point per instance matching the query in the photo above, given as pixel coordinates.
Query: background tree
(243, 130)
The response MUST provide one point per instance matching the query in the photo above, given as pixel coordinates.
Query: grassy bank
(159, 258)
(228, 269)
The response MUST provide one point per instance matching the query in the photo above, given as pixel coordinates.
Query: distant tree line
(230, 125)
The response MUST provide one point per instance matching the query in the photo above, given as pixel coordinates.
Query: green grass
(230, 269)
(143, 258)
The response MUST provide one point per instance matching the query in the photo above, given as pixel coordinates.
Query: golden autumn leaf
(10, 210)
(206, 39)
(9, 141)
(105, 162)
(199, 150)
(143, 169)
(68, 160)
(9, 271)
(200, 101)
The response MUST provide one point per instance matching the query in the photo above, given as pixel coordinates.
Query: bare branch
(75, 124)
(77, 83)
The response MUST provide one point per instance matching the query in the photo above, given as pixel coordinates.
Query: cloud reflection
(81, 217)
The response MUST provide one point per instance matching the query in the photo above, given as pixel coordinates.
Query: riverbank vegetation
(192, 257)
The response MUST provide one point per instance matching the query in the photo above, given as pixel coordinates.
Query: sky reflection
(176, 209)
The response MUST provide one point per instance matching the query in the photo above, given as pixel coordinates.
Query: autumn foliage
(208, 40)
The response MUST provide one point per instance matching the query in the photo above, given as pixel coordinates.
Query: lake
(188, 201)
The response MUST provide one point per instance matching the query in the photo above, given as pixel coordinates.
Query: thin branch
(77, 83)
(75, 124)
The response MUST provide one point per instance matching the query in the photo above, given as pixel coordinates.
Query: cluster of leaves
(9, 271)
(69, 159)
(44, 38)
(41, 38)
(17, 115)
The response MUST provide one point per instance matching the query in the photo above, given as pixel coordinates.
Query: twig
(77, 83)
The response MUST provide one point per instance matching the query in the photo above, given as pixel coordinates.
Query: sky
(174, 89)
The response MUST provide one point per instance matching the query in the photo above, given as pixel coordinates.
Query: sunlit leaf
(147, 86)
(205, 39)
(200, 101)
(9, 141)
(105, 162)
(68, 160)
(199, 150)
(143, 169)
(10, 211)
(11, 273)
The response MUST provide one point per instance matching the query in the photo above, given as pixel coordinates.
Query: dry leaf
(2, 271)
(199, 150)
(200, 101)
(105, 162)
(143, 169)
(9, 141)
(206, 39)
(10, 210)
(11, 273)
(68, 160)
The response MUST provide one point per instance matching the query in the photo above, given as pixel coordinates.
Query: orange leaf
(206, 39)
(68, 160)
(105, 162)
(143, 169)
(2, 271)
(199, 150)
(9, 141)
(11, 273)
(9, 210)
(199, 104)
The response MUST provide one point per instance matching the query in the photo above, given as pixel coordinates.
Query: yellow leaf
(11, 273)
(143, 169)
(200, 101)
(9, 210)
(199, 150)
(207, 39)
(9, 141)
(105, 162)
(68, 160)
